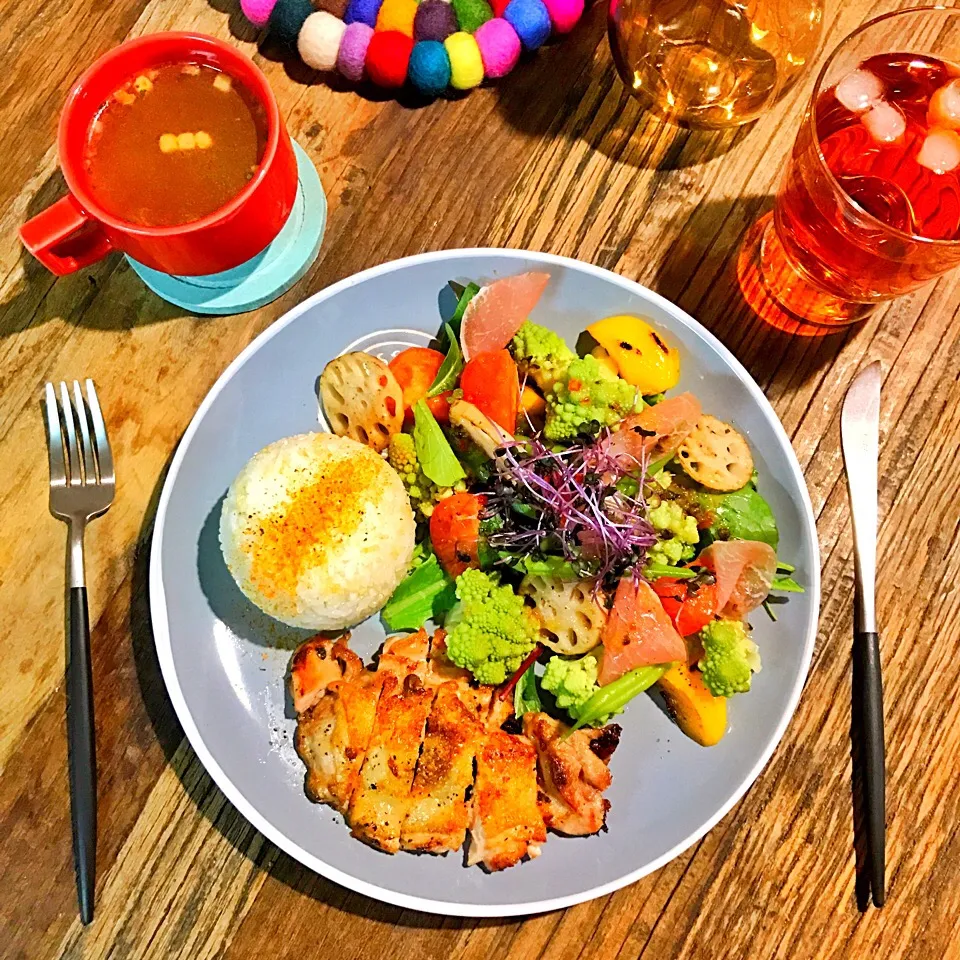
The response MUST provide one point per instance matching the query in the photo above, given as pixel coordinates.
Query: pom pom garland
(362, 11)
(564, 14)
(287, 18)
(387, 58)
(435, 20)
(319, 40)
(353, 50)
(499, 47)
(397, 15)
(429, 69)
(433, 44)
(530, 19)
(466, 65)
(471, 14)
(337, 7)
(257, 11)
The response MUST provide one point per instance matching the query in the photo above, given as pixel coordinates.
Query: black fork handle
(869, 691)
(82, 753)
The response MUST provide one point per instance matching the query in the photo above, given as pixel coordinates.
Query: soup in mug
(174, 144)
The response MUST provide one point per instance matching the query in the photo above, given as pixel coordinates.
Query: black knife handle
(869, 694)
(82, 754)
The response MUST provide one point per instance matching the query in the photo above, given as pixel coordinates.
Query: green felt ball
(471, 14)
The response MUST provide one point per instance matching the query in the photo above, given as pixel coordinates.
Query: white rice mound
(317, 530)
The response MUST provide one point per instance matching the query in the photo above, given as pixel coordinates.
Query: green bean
(616, 695)
(653, 571)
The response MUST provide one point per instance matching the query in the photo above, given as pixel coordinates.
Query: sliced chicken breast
(439, 807)
(572, 772)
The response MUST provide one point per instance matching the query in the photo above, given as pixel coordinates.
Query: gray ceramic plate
(224, 663)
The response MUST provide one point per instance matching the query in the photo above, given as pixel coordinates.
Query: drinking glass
(712, 63)
(869, 206)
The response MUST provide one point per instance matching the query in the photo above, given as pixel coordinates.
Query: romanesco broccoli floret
(572, 682)
(424, 494)
(678, 532)
(489, 631)
(730, 658)
(541, 354)
(587, 392)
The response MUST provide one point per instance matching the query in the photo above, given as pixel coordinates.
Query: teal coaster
(264, 277)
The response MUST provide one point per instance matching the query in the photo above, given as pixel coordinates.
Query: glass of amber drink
(869, 206)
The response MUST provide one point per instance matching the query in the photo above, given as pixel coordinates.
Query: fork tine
(86, 447)
(101, 441)
(58, 464)
(74, 475)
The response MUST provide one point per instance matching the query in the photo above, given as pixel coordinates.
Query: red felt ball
(498, 6)
(387, 58)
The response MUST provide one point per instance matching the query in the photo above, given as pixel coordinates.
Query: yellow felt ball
(466, 64)
(397, 15)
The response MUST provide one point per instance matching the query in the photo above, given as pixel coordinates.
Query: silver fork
(82, 485)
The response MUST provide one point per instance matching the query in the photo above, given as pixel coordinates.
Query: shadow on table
(704, 274)
(39, 297)
(170, 735)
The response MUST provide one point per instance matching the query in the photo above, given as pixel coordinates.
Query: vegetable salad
(584, 533)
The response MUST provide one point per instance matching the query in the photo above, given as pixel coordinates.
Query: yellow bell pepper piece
(699, 714)
(641, 355)
(531, 403)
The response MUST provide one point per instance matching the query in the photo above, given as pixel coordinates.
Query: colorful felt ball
(362, 11)
(499, 47)
(387, 58)
(471, 13)
(466, 65)
(353, 50)
(564, 14)
(397, 15)
(498, 7)
(287, 18)
(531, 21)
(435, 20)
(257, 11)
(429, 69)
(319, 40)
(337, 7)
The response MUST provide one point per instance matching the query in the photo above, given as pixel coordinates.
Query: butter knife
(860, 440)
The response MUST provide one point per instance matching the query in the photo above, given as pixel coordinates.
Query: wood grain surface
(557, 157)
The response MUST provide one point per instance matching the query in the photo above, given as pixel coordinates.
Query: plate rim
(161, 632)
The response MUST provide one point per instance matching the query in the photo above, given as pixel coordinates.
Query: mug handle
(64, 224)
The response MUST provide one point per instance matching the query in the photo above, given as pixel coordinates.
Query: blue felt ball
(429, 68)
(363, 11)
(530, 19)
(286, 19)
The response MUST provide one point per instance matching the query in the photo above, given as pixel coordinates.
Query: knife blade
(860, 441)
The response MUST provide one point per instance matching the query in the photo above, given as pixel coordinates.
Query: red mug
(76, 231)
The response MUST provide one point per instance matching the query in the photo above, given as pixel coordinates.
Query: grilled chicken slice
(379, 804)
(333, 733)
(316, 664)
(406, 654)
(439, 810)
(506, 823)
(573, 773)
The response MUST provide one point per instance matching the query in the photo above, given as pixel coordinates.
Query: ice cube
(940, 151)
(860, 90)
(945, 106)
(884, 122)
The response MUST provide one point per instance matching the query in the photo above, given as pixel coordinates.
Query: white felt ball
(319, 40)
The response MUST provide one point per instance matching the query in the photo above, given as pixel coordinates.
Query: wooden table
(556, 158)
